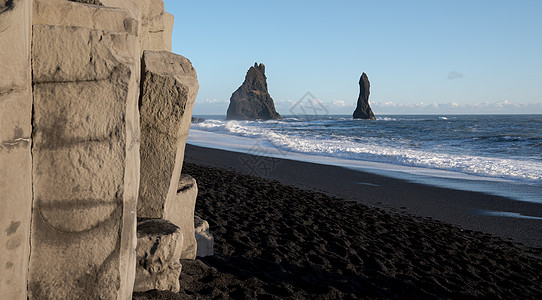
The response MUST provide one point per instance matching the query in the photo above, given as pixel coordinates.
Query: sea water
(499, 154)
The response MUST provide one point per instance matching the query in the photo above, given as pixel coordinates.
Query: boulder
(363, 110)
(159, 244)
(251, 101)
(15, 146)
(204, 239)
(85, 157)
(181, 213)
(168, 92)
(197, 120)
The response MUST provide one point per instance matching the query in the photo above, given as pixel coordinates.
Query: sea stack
(363, 109)
(251, 101)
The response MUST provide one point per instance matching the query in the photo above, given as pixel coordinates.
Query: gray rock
(363, 110)
(15, 145)
(67, 13)
(85, 160)
(169, 88)
(181, 213)
(159, 246)
(251, 101)
(204, 238)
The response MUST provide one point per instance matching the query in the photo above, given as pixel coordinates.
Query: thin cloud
(455, 75)
(454, 107)
(215, 101)
(338, 103)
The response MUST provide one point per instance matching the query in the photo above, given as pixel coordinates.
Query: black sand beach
(274, 240)
(451, 206)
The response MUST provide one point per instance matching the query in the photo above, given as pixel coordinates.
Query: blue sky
(420, 56)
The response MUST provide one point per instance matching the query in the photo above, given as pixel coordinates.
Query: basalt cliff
(94, 115)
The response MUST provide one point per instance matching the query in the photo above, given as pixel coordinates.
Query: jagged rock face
(15, 146)
(169, 88)
(69, 142)
(159, 246)
(251, 101)
(363, 110)
(85, 154)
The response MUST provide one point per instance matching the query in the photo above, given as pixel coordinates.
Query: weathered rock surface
(204, 239)
(85, 157)
(156, 23)
(363, 110)
(67, 13)
(69, 142)
(251, 101)
(159, 246)
(169, 88)
(181, 213)
(15, 145)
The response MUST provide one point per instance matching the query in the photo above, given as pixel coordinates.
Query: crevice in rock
(92, 2)
(71, 81)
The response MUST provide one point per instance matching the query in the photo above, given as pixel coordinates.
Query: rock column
(363, 109)
(15, 145)
(85, 152)
(168, 90)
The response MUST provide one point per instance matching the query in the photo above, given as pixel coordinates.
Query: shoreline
(505, 187)
(464, 209)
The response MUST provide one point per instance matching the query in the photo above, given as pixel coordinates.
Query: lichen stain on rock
(13, 228)
(6, 5)
(14, 243)
(53, 136)
(17, 141)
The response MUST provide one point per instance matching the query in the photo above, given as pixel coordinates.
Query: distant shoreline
(464, 209)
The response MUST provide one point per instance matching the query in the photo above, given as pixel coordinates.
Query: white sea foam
(374, 150)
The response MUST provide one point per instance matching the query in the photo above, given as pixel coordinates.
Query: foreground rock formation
(85, 152)
(251, 101)
(70, 146)
(159, 246)
(204, 238)
(15, 145)
(169, 88)
(363, 110)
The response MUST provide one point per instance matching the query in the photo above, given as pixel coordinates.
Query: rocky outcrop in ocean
(251, 101)
(76, 80)
(363, 109)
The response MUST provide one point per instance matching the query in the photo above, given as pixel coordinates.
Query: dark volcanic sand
(274, 241)
(454, 207)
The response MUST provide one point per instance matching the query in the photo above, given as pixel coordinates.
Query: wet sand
(279, 241)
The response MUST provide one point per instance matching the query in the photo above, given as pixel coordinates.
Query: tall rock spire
(363, 109)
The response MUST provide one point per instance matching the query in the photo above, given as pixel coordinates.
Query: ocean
(498, 154)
